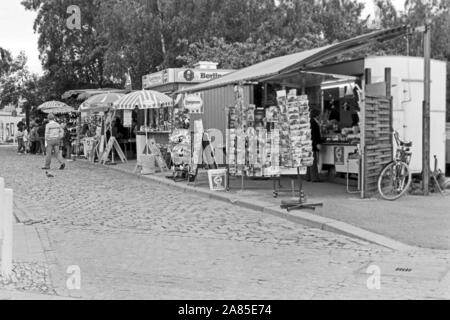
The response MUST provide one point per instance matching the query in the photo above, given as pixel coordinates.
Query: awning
(143, 99)
(298, 61)
(84, 94)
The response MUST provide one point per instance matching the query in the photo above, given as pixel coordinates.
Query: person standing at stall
(316, 137)
(34, 138)
(53, 135)
(67, 142)
(41, 137)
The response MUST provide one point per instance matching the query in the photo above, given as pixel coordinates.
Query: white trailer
(407, 93)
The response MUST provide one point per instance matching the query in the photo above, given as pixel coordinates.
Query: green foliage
(145, 36)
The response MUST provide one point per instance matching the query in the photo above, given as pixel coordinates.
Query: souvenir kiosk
(152, 105)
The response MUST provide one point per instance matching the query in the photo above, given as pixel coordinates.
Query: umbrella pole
(112, 149)
(146, 137)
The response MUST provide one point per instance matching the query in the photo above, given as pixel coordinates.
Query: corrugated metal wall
(215, 103)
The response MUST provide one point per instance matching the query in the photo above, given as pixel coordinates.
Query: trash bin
(217, 179)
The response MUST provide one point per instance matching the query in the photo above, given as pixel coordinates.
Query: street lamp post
(426, 110)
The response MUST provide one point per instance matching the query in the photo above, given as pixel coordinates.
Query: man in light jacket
(53, 135)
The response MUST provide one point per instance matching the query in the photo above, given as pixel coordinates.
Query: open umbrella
(55, 107)
(52, 105)
(144, 99)
(59, 110)
(100, 102)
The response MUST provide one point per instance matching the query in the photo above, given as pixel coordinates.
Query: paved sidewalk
(136, 239)
(26, 244)
(30, 278)
(18, 295)
(413, 220)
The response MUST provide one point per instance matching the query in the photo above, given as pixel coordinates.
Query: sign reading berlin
(192, 75)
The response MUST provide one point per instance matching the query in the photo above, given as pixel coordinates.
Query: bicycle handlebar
(398, 141)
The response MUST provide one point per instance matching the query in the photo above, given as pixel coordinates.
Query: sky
(16, 29)
(16, 32)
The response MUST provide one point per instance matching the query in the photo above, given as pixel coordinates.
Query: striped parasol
(59, 110)
(144, 99)
(100, 102)
(52, 105)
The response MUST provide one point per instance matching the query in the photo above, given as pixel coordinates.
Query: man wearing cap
(53, 135)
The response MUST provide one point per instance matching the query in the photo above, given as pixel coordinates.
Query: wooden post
(265, 94)
(426, 112)
(367, 80)
(368, 76)
(6, 229)
(388, 81)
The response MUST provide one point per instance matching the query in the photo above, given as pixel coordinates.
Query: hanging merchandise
(238, 123)
(127, 118)
(300, 130)
(285, 142)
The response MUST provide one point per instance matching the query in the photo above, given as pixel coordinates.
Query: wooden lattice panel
(378, 140)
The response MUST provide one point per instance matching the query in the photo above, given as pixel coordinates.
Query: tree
(5, 61)
(71, 58)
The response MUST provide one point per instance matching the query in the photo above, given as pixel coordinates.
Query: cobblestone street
(133, 239)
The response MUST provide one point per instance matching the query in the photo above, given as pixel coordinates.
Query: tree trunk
(161, 33)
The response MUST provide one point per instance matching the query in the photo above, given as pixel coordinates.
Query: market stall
(96, 114)
(154, 111)
(356, 127)
(277, 129)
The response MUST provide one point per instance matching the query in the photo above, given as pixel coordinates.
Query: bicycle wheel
(394, 180)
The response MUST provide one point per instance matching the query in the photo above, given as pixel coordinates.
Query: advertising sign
(127, 118)
(196, 76)
(339, 156)
(181, 76)
(158, 78)
(193, 103)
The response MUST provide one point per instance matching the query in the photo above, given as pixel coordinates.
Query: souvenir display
(285, 143)
(259, 145)
(180, 147)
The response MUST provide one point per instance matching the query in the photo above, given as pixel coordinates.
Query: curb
(300, 217)
(18, 295)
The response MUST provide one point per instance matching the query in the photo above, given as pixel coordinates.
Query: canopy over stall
(144, 99)
(304, 60)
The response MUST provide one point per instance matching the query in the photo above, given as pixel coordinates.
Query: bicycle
(396, 177)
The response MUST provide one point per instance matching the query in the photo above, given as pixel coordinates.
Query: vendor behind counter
(340, 121)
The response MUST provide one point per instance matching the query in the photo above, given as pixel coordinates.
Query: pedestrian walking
(53, 136)
(20, 143)
(26, 140)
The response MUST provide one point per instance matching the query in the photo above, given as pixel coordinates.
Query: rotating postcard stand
(199, 157)
(301, 202)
